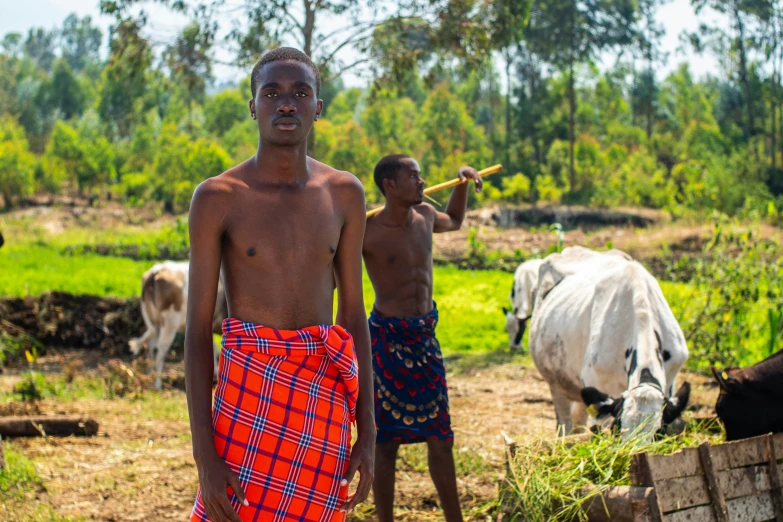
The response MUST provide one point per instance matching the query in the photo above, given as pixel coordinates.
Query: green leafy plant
(730, 310)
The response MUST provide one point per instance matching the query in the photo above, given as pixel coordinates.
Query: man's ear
(599, 404)
(388, 184)
(677, 404)
(319, 108)
(252, 105)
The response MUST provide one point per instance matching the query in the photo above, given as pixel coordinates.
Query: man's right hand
(213, 477)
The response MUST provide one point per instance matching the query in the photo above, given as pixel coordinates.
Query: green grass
(35, 269)
(547, 479)
(469, 302)
(19, 485)
(19, 475)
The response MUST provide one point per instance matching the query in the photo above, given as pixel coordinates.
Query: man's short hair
(387, 169)
(284, 54)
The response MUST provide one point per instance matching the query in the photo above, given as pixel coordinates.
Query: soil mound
(85, 321)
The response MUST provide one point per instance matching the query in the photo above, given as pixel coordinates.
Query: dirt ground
(139, 467)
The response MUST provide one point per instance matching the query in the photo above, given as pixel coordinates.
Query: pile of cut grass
(549, 481)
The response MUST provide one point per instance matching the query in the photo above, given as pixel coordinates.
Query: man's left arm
(452, 218)
(352, 316)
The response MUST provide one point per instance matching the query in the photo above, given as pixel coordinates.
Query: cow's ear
(677, 404)
(599, 404)
(727, 383)
(505, 311)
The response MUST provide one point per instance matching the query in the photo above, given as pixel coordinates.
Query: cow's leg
(152, 348)
(579, 416)
(167, 332)
(138, 343)
(147, 337)
(562, 412)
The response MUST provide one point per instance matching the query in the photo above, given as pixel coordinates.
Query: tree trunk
(491, 123)
(749, 126)
(634, 81)
(508, 109)
(650, 99)
(533, 129)
(774, 124)
(571, 111)
(307, 35)
(45, 425)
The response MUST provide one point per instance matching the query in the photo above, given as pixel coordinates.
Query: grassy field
(469, 302)
(145, 433)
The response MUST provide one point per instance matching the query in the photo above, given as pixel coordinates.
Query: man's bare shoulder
(425, 209)
(342, 184)
(219, 189)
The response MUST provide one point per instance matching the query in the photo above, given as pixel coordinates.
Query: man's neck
(397, 214)
(285, 164)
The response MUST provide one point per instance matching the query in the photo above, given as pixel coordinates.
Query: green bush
(730, 309)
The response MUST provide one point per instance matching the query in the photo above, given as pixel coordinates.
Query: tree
(190, 63)
(64, 91)
(649, 42)
(569, 32)
(80, 42)
(743, 14)
(225, 109)
(12, 45)
(124, 77)
(81, 155)
(507, 20)
(17, 165)
(450, 137)
(39, 46)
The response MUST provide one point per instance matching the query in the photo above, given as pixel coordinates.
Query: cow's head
(746, 408)
(515, 326)
(642, 410)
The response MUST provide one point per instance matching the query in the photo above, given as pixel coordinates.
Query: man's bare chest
(399, 246)
(279, 235)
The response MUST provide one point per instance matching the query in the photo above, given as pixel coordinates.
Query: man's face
(286, 103)
(408, 184)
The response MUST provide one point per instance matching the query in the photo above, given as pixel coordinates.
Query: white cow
(526, 283)
(521, 297)
(604, 336)
(164, 301)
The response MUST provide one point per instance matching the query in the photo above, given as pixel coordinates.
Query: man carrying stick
(411, 399)
(283, 228)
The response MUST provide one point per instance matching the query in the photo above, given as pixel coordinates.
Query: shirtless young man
(411, 401)
(281, 229)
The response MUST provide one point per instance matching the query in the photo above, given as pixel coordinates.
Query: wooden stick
(448, 184)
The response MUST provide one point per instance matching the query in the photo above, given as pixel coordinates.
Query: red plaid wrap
(284, 405)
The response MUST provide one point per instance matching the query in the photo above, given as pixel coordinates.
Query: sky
(20, 15)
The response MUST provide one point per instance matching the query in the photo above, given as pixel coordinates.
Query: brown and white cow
(164, 299)
(751, 399)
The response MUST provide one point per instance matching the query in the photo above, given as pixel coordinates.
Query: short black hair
(284, 54)
(387, 168)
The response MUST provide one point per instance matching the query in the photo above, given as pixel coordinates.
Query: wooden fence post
(716, 495)
(774, 475)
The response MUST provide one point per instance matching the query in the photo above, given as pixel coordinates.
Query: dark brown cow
(751, 399)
